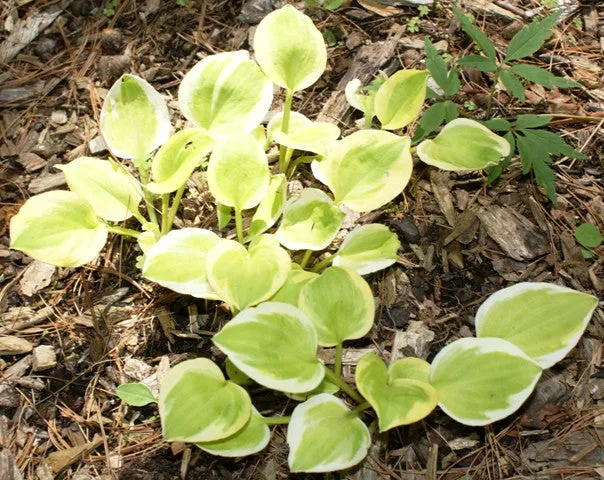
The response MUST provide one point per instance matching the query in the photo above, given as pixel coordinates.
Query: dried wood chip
(31, 162)
(414, 342)
(47, 182)
(11, 345)
(37, 276)
(442, 192)
(44, 357)
(8, 466)
(465, 228)
(517, 236)
(57, 461)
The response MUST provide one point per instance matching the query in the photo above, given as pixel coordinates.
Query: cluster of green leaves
(110, 6)
(589, 237)
(412, 24)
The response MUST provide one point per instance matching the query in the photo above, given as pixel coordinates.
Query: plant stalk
(276, 420)
(128, 232)
(323, 264)
(288, 156)
(360, 408)
(239, 225)
(287, 107)
(165, 208)
(174, 208)
(337, 367)
(306, 258)
(347, 389)
(144, 176)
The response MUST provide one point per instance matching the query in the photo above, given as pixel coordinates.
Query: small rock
(8, 397)
(255, 10)
(59, 117)
(47, 182)
(462, 443)
(415, 3)
(407, 42)
(435, 87)
(11, 345)
(415, 342)
(441, 46)
(44, 357)
(112, 67)
(407, 229)
(137, 369)
(31, 162)
(97, 145)
(112, 41)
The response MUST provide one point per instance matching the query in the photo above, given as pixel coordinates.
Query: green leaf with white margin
(544, 320)
(238, 174)
(400, 98)
(253, 438)
(111, 191)
(297, 121)
(368, 248)
(463, 144)
(397, 400)
(324, 387)
(482, 380)
(356, 99)
(290, 49)
(314, 137)
(178, 261)
(146, 240)
(290, 291)
(275, 344)
(197, 404)
(176, 159)
(411, 368)
(323, 436)
(236, 375)
(270, 208)
(310, 221)
(225, 93)
(247, 277)
(134, 118)
(135, 394)
(59, 228)
(367, 169)
(340, 305)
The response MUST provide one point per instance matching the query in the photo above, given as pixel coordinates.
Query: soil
(461, 241)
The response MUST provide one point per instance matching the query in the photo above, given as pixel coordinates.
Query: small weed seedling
(589, 237)
(283, 312)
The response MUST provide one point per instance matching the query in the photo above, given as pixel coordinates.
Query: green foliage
(135, 394)
(413, 25)
(589, 237)
(332, 4)
(110, 6)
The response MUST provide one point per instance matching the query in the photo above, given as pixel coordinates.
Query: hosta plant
(283, 312)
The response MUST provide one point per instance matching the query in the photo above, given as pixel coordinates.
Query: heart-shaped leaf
(464, 144)
(247, 277)
(249, 440)
(400, 98)
(543, 320)
(368, 248)
(134, 119)
(290, 291)
(303, 134)
(238, 174)
(482, 380)
(108, 187)
(290, 49)
(178, 261)
(270, 208)
(225, 93)
(367, 169)
(275, 344)
(135, 394)
(340, 305)
(324, 436)
(397, 400)
(324, 387)
(59, 228)
(197, 404)
(175, 161)
(310, 221)
(356, 99)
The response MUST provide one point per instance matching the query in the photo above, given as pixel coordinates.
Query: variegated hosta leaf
(463, 144)
(178, 261)
(324, 436)
(411, 368)
(146, 240)
(324, 387)
(224, 214)
(275, 344)
(310, 221)
(225, 93)
(290, 291)
(482, 380)
(238, 174)
(59, 228)
(400, 98)
(356, 99)
(235, 374)
(290, 49)
(368, 248)
(340, 305)
(112, 192)
(249, 440)
(197, 404)
(297, 121)
(270, 208)
(134, 119)
(397, 399)
(303, 134)
(175, 161)
(247, 277)
(367, 169)
(544, 320)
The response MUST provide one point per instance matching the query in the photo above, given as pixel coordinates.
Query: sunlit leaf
(324, 436)
(290, 291)
(312, 137)
(59, 228)
(197, 404)
(135, 394)
(482, 380)
(274, 344)
(225, 93)
(463, 144)
(290, 49)
(270, 208)
(400, 98)
(111, 191)
(544, 320)
(310, 221)
(134, 119)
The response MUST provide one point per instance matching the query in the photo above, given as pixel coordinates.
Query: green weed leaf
(135, 394)
(448, 81)
(432, 118)
(512, 84)
(532, 121)
(495, 171)
(476, 34)
(531, 37)
(536, 159)
(498, 124)
(543, 77)
(588, 235)
(478, 62)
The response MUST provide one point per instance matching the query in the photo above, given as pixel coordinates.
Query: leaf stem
(492, 91)
(337, 367)
(144, 176)
(287, 107)
(323, 264)
(360, 408)
(288, 156)
(239, 225)
(305, 258)
(347, 389)
(128, 232)
(174, 208)
(165, 208)
(276, 420)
